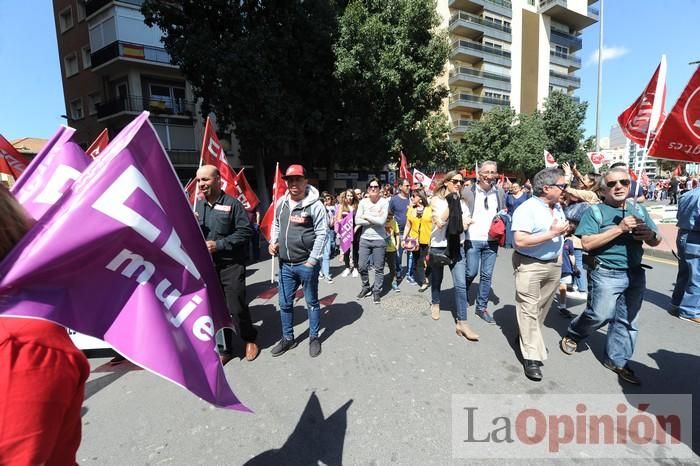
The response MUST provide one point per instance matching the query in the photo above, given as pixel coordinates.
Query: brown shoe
(225, 358)
(464, 330)
(435, 311)
(251, 351)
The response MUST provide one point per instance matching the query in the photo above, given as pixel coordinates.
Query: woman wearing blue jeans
(450, 217)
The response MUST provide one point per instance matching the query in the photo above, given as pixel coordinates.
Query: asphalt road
(381, 391)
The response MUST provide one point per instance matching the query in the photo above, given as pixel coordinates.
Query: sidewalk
(664, 216)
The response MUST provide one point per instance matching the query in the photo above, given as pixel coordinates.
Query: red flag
(278, 189)
(549, 161)
(245, 193)
(191, 190)
(11, 161)
(678, 171)
(644, 114)
(678, 137)
(645, 178)
(213, 154)
(404, 171)
(98, 144)
(633, 175)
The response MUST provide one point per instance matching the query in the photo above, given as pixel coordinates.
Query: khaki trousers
(535, 285)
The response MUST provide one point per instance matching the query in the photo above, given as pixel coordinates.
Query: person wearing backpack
(484, 200)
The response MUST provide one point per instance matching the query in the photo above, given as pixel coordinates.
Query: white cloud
(609, 53)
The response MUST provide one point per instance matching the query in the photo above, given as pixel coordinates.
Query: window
(561, 50)
(80, 10)
(491, 44)
(93, 101)
(65, 19)
(76, 109)
(70, 63)
(167, 98)
(87, 61)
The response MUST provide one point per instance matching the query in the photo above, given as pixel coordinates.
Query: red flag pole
(274, 205)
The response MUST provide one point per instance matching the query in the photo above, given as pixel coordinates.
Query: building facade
(511, 53)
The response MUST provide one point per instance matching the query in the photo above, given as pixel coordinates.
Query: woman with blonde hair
(42, 374)
(348, 206)
(450, 217)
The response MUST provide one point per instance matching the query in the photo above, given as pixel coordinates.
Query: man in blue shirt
(613, 234)
(686, 294)
(398, 206)
(538, 226)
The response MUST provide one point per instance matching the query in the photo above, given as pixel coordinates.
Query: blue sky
(637, 32)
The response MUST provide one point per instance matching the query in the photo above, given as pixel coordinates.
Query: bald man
(227, 231)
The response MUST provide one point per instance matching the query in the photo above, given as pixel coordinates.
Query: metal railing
(154, 104)
(593, 13)
(463, 123)
(482, 48)
(479, 99)
(470, 18)
(129, 50)
(481, 74)
(565, 56)
(566, 77)
(566, 39)
(91, 6)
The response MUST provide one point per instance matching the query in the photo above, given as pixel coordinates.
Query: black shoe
(314, 347)
(365, 292)
(377, 299)
(283, 346)
(566, 313)
(532, 370)
(625, 373)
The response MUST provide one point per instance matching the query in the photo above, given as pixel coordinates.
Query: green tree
(525, 153)
(488, 138)
(563, 124)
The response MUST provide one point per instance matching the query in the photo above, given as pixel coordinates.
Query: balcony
(572, 42)
(473, 52)
(502, 7)
(131, 52)
(156, 105)
(473, 27)
(468, 77)
(565, 59)
(461, 126)
(473, 103)
(93, 6)
(560, 11)
(564, 80)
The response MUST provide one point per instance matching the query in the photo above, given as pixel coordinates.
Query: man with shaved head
(227, 231)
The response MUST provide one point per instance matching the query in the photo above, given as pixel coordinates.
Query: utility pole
(600, 80)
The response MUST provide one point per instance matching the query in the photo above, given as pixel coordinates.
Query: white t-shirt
(439, 206)
(479, 230)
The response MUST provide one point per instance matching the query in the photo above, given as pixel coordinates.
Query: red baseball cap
(294, 170)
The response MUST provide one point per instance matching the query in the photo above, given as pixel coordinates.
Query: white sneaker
(329, 279)
(355, 273)
(345, 273)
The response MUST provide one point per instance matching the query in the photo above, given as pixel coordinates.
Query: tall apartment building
(114, 67)
(511, 53)
(632, 152)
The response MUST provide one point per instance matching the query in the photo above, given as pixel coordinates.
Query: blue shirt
(567, 268)
(534, 216)
(689, 210)
(399, 206)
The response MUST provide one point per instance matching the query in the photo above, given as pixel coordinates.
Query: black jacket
(226, 223)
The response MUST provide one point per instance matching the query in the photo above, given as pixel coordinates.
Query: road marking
(662, 261)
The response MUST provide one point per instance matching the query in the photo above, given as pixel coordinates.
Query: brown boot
(435, 311)
(464, 330)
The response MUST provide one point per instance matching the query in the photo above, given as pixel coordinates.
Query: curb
(659, 254)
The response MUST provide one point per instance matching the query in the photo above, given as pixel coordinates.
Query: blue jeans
(291, 276)
(410, 265)
(326, 260)
(399, 257)
(615, 297)
(581, 281)
(686, 294)
(458, 269)
(481, 255)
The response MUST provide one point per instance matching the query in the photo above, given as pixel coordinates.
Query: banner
(422, 178)
(51, 173)
(597, 159)
(549, 161)
(678, 137)
(403, 170)
(345, 229)
(213, 154)
(245, 193)
(121, 257)
(644, 114)
(279, 187)
(12, 163)
(98, 144)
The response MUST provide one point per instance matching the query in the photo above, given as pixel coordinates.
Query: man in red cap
(298, 236)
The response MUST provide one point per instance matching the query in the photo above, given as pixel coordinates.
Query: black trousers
(232, 279)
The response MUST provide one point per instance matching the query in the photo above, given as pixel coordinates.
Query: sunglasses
(562, 186)
(611, 184)
(373, 186)
(456, 181)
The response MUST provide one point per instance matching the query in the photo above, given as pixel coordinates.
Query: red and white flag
(642, 117)
(422, 178)
(403, 170)
(678, 137)
(678, 171)
(12, 163)
(549, 161)
(245, 193)
(597, 159)
(213, 154)
(98, 144)
(279, 187)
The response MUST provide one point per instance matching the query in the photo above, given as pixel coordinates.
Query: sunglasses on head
(611, 184)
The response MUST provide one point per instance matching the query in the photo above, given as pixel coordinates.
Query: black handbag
(438, 259)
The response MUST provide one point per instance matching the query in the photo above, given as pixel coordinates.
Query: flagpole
(274, 205)
(600, 80)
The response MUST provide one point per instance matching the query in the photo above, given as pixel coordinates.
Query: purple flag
(346, 232)
(54, 169)
(121, 257)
